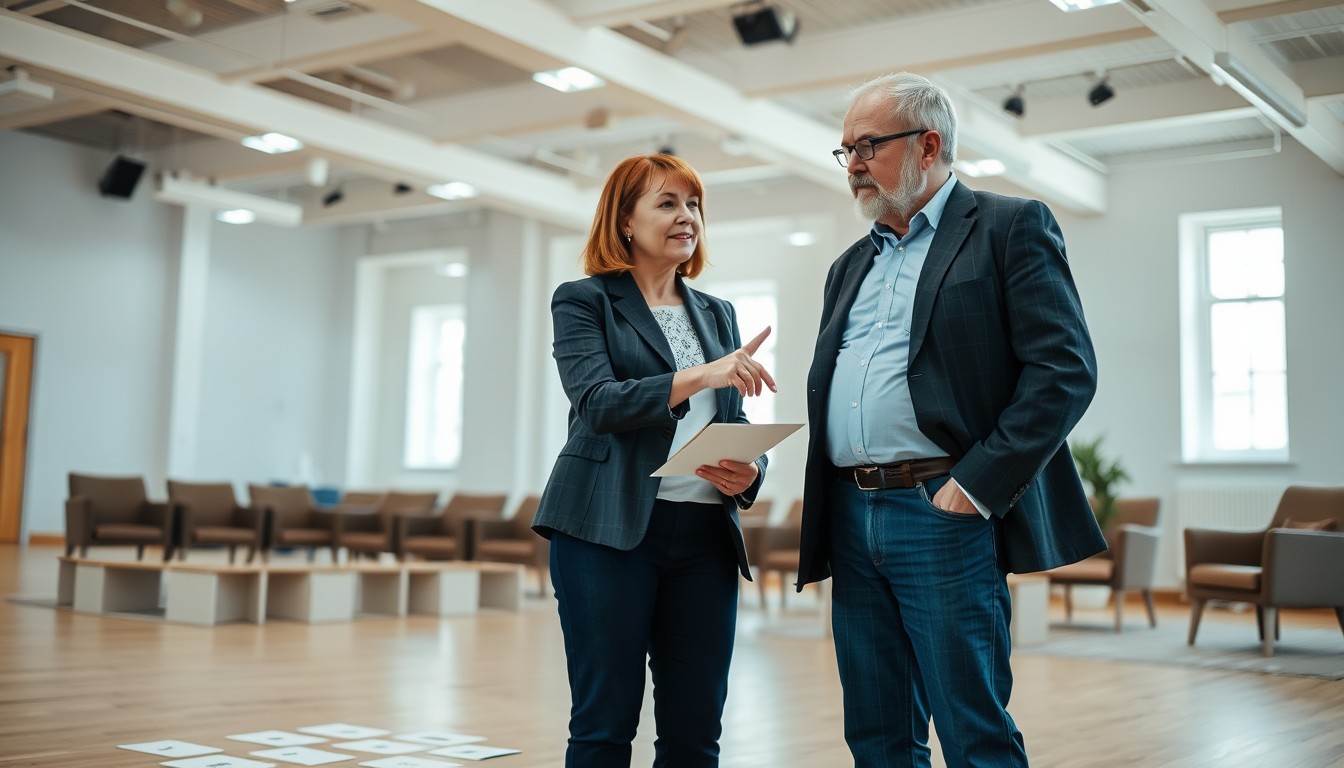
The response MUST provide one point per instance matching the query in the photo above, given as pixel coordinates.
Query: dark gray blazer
(1001, 368)
(616, 367)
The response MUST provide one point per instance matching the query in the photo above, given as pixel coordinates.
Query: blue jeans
(671, 600)
(920, 612)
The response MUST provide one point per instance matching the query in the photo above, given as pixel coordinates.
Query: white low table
(1030, 594)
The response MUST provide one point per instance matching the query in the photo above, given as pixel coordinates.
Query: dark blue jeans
(671, 600)
(920, 612)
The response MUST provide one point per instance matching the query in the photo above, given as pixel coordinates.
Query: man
(952, 362)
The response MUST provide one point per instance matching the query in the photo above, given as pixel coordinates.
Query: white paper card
(716, 442)
(439, 739)
(217, 761)
(276, 738)
(406, 761)
(171, 748)
(343, 731)
(380, 746)
(474, 752)
(303, 755)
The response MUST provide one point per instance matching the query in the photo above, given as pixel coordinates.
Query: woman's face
(664, 226)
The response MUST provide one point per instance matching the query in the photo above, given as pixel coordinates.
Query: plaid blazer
(1001, 369)
(616, 367)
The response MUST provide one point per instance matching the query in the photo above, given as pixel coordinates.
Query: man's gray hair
(916, 103)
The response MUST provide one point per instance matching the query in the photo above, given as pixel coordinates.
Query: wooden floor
(74, 686)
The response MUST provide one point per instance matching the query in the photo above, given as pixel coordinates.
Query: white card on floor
(474, 752)
(171, 748)
(303, 755)
(343, 731)
(406, 761)
(217, 761)
(277, 738)
(440, 739)
(380, 746)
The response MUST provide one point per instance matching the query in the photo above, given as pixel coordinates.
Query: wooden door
(16, 388)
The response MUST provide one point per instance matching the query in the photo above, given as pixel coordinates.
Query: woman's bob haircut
(607, 251)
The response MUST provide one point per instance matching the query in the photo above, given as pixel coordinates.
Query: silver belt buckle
(858, 471)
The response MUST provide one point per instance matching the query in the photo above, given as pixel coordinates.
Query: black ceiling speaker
(1101, 93)
(120, 178)
(765, 24)
(1015, 105)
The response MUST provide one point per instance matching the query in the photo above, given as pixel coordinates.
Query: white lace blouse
(687, 353)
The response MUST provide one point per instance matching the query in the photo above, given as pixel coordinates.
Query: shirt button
(857, 449)
(900, 248)
(888, 286)
(879, 325)
(853, 405)
(862, 363)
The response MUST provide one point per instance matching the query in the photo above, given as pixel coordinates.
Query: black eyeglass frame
(842, 154)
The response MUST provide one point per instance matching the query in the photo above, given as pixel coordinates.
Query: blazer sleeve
(1058, 375)
(584, 341)
(746, 498)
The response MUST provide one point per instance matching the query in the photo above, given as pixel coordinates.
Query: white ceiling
(425, 91)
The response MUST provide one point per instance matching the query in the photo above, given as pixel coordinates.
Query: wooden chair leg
(1152, 610)
(233, 553)
(1119, 597)
(139, 551)
(1268, 629)
(1068, 603)
(760, 585)
(1260, 622)
(1196, 611)
(1339, 616)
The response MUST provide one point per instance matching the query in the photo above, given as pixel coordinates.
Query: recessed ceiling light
(453, 190)
(453, 269)
(569, 79)
(236, 216)
(273, 143)
(802, 238)
(1081, 5)
(977, 168)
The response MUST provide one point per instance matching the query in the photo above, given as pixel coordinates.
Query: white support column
(189, 341)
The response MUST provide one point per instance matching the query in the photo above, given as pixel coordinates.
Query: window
(756, 303)
(434, 387)
(1234, 367)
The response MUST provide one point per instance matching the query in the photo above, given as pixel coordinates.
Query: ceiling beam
(1195, 31)
(1170, 105)
(620, 13)
(195, 96)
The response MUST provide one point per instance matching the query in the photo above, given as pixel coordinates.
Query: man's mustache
(858, 181)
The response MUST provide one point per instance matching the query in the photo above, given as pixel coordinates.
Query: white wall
(96, 281)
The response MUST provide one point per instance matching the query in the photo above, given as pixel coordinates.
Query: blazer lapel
(832, 332)
(955, 224)
(627, 301)
(714, 339)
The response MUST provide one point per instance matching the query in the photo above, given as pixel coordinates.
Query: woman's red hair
(607, 251)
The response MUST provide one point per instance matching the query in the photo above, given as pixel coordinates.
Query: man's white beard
(900, 202)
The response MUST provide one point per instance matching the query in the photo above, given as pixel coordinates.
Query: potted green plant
(1102, 476)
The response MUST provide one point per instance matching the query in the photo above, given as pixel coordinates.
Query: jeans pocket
(929, 488)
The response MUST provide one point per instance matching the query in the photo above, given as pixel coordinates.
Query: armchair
(115, 511)
(444, 536)
(208, 514)
(1294, 563)
(1129, 562)
(514, 541)
(366, 524)
(778, 550)
(293, 519)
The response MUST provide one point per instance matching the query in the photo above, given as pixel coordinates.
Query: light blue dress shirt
(870, 418)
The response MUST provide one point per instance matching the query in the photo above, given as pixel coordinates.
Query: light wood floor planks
(74, 686)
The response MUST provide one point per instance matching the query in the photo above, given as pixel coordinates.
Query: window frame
(422, 409)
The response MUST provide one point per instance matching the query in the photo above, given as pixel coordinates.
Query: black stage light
(764, 23)
(120, 178)
(333, 197)
(1014, 105)
(401, 188)
(1100, 93)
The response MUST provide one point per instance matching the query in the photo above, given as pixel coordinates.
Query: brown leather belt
(901, 474)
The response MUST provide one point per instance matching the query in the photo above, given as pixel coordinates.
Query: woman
(646, 567)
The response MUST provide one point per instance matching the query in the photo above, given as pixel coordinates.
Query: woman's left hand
(730, 477)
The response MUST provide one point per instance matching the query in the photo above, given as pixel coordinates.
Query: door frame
(14, 416)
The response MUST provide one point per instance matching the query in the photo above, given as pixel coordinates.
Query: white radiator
(1227, 505)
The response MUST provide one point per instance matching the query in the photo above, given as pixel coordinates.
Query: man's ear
(931, 146)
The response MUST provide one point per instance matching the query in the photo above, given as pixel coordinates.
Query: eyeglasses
(865, 148)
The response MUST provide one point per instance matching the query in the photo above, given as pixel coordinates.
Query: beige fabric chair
(779, 548)
(1129, 563)
(1297, 562)
(208, 515)
(367, 523)
(293, 519)
(514, 541)
(115, 512)
(444, 536)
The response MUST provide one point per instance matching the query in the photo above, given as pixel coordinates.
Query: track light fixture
(333, 197)
(759, 22)
(1014, 105)
(402, 188)
(1101, 93)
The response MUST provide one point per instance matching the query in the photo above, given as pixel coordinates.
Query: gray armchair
(1129, 562)
(115, 511)
(1297, 562)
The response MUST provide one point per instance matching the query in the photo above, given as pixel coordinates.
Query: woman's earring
(627, 237)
